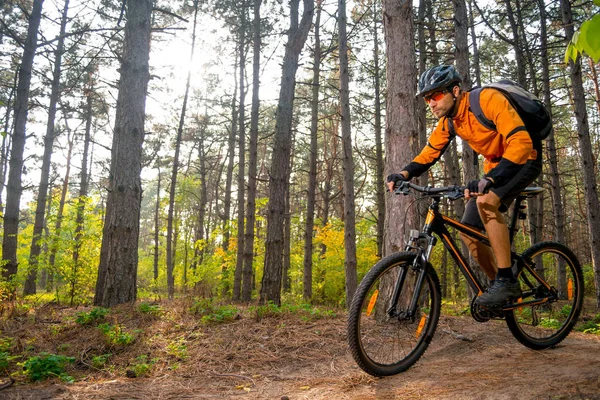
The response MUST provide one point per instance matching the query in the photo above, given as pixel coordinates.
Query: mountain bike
(395, 310)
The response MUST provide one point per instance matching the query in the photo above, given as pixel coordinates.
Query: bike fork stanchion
(392, 311)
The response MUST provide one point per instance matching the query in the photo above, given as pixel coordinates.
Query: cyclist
(512, 162)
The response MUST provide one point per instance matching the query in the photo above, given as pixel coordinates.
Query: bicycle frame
(437, 224)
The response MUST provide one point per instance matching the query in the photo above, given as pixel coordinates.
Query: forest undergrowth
(228, 348)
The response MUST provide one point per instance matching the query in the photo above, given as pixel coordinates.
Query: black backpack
(531, 109)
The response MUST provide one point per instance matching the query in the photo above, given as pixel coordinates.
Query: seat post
(512, 230)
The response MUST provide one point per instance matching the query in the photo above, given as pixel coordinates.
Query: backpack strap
(475, 106)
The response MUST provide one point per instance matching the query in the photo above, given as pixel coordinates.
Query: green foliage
(5, 343)
(116, 335)
(92, 317)
(211, 313)
(328, 268)
(142, 366)
(305, 312)
(5, 357)
(152, 309)
(550, 323)
(588, 280)
(178, 349)
(586, 40)
(591, 326)
(47, 365)
(100, 361)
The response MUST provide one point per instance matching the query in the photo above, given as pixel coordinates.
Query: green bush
(142, 365)
(100, 361)
(47, 365)
(89, 318)
(116, 335)
(152, 309)
(591, 326)
(210, 312)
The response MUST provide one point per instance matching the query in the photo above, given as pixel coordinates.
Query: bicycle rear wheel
(545, 325)
(382, 340)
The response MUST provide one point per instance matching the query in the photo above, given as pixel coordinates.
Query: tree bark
(14, 184)
(241, 184)
(476, 61)
(379, 162)
(280, 163)
(309, 225)
(588, 164)
(170, 248)
(117, 272)
(61, 205)
(40, 214)
(157, 229)
(83, 182)
(517, 47)
(252, 163)
(348, 160)
(401, 130)
(230, 163)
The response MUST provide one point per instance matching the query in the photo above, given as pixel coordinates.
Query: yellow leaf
(304, 387)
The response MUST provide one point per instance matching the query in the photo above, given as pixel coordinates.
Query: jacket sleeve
(517, 142)
(436, 145)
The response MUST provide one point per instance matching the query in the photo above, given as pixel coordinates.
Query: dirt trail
(309, 360)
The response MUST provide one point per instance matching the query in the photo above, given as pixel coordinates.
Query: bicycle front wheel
(383, 340)
(544, 325)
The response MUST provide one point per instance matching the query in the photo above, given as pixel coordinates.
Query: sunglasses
(437, 96)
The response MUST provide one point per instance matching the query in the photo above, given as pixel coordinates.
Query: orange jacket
(505, 149)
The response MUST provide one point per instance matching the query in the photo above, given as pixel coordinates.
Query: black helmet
(437, 78)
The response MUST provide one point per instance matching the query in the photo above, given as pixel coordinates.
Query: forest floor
(297, 354)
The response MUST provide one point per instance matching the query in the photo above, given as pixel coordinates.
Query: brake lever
(402, 189)
(456, 194)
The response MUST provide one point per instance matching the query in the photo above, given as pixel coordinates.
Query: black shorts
(507, 192)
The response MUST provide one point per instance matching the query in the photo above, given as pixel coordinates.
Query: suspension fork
(420, 266)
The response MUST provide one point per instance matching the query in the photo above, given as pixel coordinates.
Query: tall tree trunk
(83, 181)
(203, 195)
(311, 194)
(379, 178)
(117, 272)
(476, 60)
(348, 163)
(461, 39)
(424, 6)
(280, 163)
(471, 170)
(14, 185)
(47, 275)
(516, 44)
(230, 162)
(173, 187)
(588, 164)
(61, 205)
(402, 130)
(241, 184)
(252, 163)
(330, 155)
(286, 282)
(38, 226)
(5, 149)
(157, 228)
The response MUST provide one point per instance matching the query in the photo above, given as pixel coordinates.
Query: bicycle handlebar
(453, 192)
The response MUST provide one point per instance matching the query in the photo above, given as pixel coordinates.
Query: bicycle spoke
(552, 304)
(384, 337)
